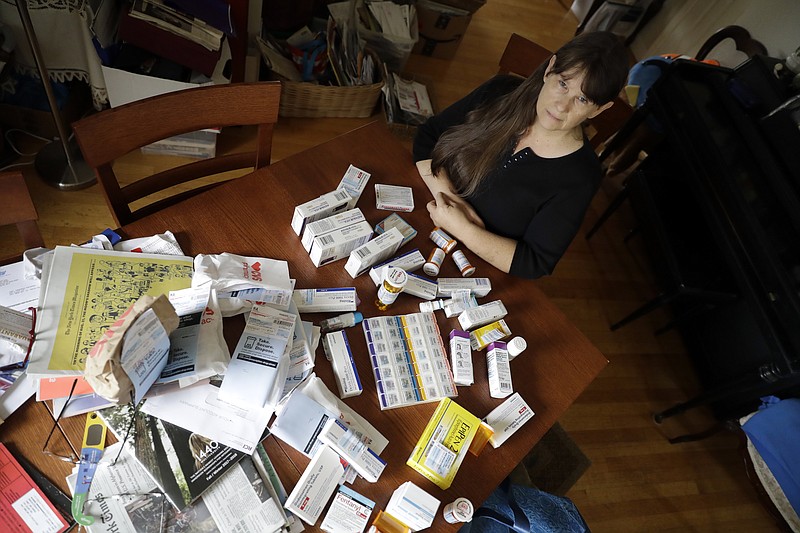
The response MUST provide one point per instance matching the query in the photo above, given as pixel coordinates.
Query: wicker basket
(303, 99)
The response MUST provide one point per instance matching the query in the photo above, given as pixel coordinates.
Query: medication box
(339, 243)
(409, 261)
(480, 287)
(395, 221)
(329, 224)
(324, 206)
(347, 444)
(507, 418)
(338, 352)
(349, 512)
(354, 182)
(444, 443)
(332, 300)
(476, 317)
(482, 337)
(420, 287)
(461, 358)
(413, 506)
(499, 371)
(316, 485)
(394, 198)
(375, 251)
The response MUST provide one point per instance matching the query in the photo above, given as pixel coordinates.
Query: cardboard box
(440, 30)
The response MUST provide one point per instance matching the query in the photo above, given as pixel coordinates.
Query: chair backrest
(523, 57)
(106, 136)
(741, 37)
(16, 207)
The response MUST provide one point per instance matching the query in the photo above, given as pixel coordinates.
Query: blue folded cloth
(775, 432)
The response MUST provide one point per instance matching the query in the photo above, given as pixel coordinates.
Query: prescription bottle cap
(516, 346)
(460, 510)
(397, 277)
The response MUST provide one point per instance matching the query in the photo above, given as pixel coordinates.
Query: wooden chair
(110, 134)
(16, 207)
(523, 57)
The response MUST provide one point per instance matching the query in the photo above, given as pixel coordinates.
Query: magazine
(124, 499)
(182, 463)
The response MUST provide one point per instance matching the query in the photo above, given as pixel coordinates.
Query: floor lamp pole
(59, 164)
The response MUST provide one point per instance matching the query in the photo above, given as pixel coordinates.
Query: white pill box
(378, 249)
(396, 221)
(347, 444)
(339, 243)
(476, 317)
(499, 371)
(394, 198)
(328, 300)
(461, 358)
(409, 261)
(483, 336)
(337, 350)
(324, 206)
(413, 506)
(316, 485)
(420, 287)
(349, 512)
(507, 418)
(354, 182)
(329, 224)
(480, 287)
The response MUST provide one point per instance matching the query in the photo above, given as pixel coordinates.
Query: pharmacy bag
(520, 509)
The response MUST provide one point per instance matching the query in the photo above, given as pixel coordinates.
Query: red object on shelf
(167, 45)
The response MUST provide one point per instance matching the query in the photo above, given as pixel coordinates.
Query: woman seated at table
(509, 167)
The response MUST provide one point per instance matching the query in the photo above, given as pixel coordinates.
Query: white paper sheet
(17, 292)
(199, 409)
(189, 304)
(253, 371)
(300, 422)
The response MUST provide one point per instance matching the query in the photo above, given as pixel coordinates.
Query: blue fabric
(775, 432)
(644, 74)
(546, 512)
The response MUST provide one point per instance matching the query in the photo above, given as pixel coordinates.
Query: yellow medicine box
(444, 443)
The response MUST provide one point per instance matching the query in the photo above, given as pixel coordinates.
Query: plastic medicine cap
(515, 347)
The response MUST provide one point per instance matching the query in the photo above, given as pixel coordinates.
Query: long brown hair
(468, 152)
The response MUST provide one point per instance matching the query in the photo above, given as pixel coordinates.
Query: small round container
(459, 510)
(393, 282)
(515, 347)
(434, 262)
(463, 264)
(443, 240)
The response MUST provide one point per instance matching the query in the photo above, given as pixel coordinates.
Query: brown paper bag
(103, 369)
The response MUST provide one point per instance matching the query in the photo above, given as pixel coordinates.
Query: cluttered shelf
(320, 389)
(332, 63)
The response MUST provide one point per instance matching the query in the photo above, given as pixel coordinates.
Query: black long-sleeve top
(539, 202)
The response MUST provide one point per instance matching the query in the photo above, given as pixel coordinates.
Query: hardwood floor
(638, 481)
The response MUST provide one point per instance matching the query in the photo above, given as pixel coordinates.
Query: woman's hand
(452, 212)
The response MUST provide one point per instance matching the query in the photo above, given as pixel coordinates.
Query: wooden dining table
(251, 216)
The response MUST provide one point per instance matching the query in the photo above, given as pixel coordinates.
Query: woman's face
(562, 105)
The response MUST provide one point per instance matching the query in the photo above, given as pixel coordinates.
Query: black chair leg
(655, 303)
(613, 206)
